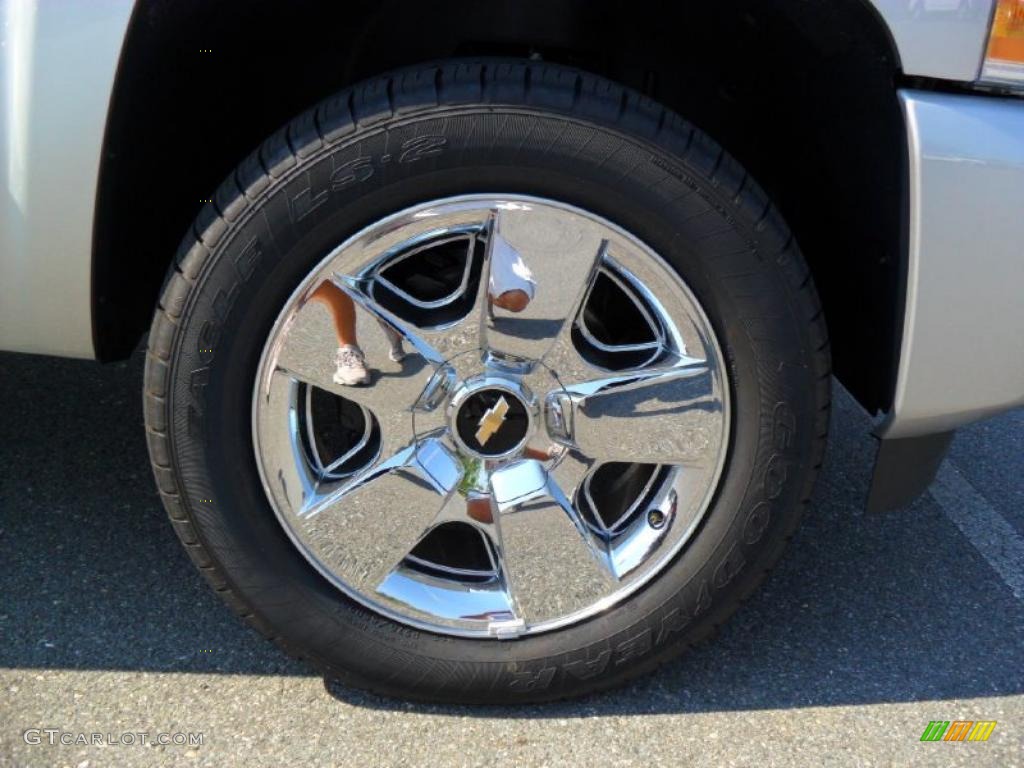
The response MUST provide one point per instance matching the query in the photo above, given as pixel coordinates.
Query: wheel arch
(803, 94)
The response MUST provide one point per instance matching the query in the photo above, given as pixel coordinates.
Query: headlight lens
(1004, 59)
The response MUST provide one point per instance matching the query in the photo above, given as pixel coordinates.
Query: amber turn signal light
(1004, 58)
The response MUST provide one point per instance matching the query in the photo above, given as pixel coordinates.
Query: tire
(459, 128)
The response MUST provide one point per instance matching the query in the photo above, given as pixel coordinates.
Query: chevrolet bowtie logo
(491, 421)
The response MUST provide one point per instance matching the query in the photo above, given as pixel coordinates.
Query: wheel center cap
(491, 422)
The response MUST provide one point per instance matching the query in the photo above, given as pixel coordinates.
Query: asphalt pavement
(871, 626)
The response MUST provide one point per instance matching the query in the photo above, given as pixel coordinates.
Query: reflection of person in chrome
(349, 361)
(511, 286)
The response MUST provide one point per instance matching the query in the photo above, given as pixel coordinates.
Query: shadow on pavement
(861, 610)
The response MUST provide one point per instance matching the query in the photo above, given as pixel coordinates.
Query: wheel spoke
(552, 562)
(291, 481)
(568, 471)
(669, 414)
(363, 528)
(540, 252)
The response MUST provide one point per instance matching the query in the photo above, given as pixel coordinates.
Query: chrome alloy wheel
(517, 471)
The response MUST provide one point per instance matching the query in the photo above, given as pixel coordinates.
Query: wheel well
(802, 93)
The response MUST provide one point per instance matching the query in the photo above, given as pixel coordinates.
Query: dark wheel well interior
(802, 92)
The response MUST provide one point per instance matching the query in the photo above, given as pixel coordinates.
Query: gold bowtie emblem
(491, 421)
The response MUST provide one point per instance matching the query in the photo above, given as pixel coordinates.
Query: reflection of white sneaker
(351, 367)
(395, 352)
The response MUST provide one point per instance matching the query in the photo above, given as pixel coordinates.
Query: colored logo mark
(958, 730)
